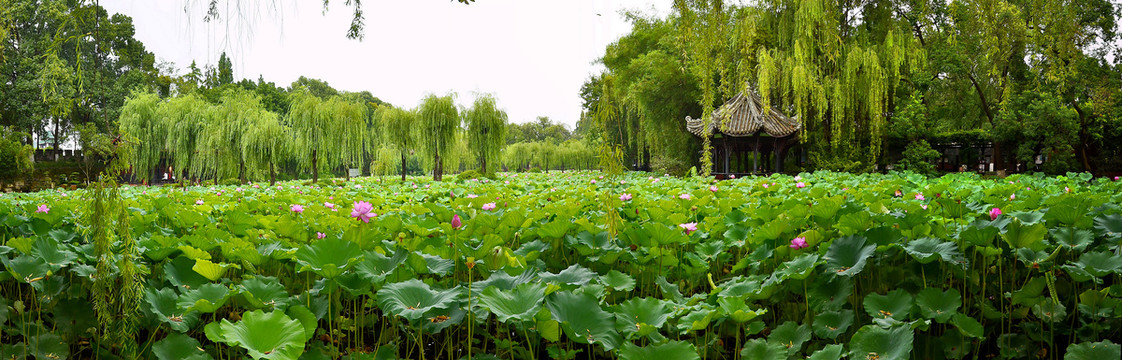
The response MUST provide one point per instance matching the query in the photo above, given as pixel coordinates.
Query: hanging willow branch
(399, 132)
(486, 129)
(438, 122)
(139, 119)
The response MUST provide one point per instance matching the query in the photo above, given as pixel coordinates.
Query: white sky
(533, 55)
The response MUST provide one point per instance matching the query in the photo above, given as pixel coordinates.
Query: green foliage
(437, 123)
(919, 157)
(328, 133)
(486, 130)
(399, 133)
(14, 155)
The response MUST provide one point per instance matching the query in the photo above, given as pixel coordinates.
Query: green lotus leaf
(1100, 263)
(829, 292)
(271, 335)
(738, 309)
(885, 344)
(212, 271)
(979, 235)
(375, 266)
(830, 352)
(1014, 346)
(3, 311)
(968, 326)
(926, 250)
(307, 320)
(521, 303)
(937, 304)
(896, 305)
(48, 346)
(1022, 235)
(588, 244)
(800, 267)
(830, 324)
(758, 349)
(193, 253)
(698, 318)
(847, 255)
(439, 319)
(791, 336)
(328, 257)
(164, 304)
(178, 346)
(413, 299)
(206, 299)
(618, 281)
(1073, 239)
(264, 292)
(642, 316)
(670, 350)
(354, 283)
(1094, 351)
(26, 268)
(583, 320)
(179, 272)
(1050, 311)
(1109, 225)
(17, 351)
(1030, 257)
(955, 346)
(53, 253)
(573, 275)
(434, 264)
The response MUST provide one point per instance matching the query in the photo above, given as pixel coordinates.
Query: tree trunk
(315, 166)
(242, 171)
(437, 169)
(272, 174)
(483, 164)
(402, 166)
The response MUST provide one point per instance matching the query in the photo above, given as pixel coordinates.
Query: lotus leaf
(583, 320)
(926, 250)
(520, 303)
(830, 352)
(1094, 351)
(894, 343)
(271, 335)
(847, 255)
(670, 350)
(413, 299)
(328, 257)
(179, 347)
(164, 304)
(896, 304)
(206, 299)
(791, 336)
(763, 350)
(830, 324)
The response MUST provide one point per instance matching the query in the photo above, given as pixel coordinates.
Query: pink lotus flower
(296, 208)
(358, 186)
(219, 193)
(732, 176)
(1012, 196)
(199, 202)
(625, 197)
(798, 243)
(489, 206)
(994, 213)
(713, 188)
(329, 205)
(920, 197)
(800, 185)
(239, 189)
(601, 176)
(255, 186)
(506, 182)
(471, 196)
(43, 209)
(924, 206)
(363, 211)
(593, 181)
(898, 193)
(689, 227)
(280, 187)
(765, 186)
(798, 178)
(684, 196)
(456, 223)
(1066, 189)
(320, 235)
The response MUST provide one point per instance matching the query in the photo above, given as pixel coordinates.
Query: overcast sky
(533, 55)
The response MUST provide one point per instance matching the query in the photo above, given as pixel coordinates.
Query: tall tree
(225, 70)
(183, 119)
(438, 121)
(328, 133)
(398, 130)
(140, 120)
(266, 143)
(486, 129)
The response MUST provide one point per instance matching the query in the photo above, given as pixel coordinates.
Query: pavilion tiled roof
(746, 116)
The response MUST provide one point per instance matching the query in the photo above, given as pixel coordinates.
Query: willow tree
(266, 142)
(140, 120)
(183, 119)
(438, 121)
(398, 130)
(486, 130)
(220, 146)
(327, 133)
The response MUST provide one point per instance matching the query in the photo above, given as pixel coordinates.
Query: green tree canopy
(398, 131)
(486, 129)
(438, 122)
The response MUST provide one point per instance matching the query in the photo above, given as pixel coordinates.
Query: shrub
(918, 157)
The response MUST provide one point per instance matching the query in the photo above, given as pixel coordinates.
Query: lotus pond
(569, 266)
